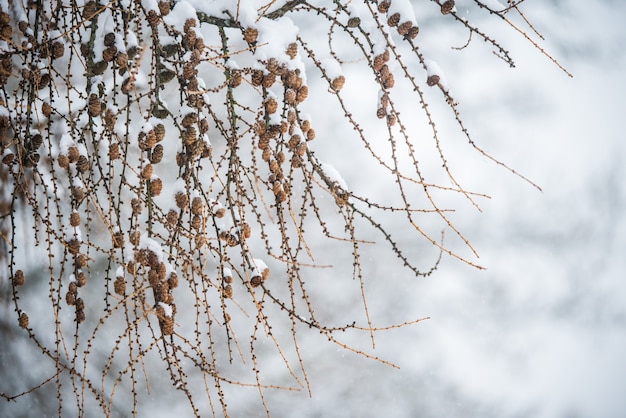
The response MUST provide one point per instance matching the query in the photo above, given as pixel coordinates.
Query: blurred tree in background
(163, 207)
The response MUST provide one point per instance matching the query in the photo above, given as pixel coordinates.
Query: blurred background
(542, 331)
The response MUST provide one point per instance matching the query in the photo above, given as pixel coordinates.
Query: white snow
(405, 8)
(108, 24)
(147, 127)
(260, 264)
(332, 173)
(432, 68)
(232, 64)
(206, 140)
(77, 182)
(82, 150)
(224, 223)
(179, 186)
(166, 308)
(150, 5)
(203, 90)
(332, 67)
(260, 268)
(150, 244)
(131, 39)
(516, 356)
(182, 11)
(274, 36)
(65, 143)
(73, 233)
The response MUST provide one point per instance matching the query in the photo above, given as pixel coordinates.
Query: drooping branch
(170, 175)
(233, 23)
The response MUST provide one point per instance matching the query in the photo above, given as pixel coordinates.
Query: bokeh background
(542, 331)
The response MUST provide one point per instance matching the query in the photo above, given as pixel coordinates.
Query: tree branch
(232, 23)
(280, 12)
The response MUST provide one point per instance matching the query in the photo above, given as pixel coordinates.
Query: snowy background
(541, 332)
